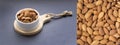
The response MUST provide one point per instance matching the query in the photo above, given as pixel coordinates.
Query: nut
(112, 38)
(101, 31)
(96, 33)
(98, 37)
(99, 2)
(79, 41)
(88, 14)
(117, 25)
(106, 30)
(84, 38)
(101, 14)
(89, 30)
(98, 22)
(96, 42)
(118, 19)
(84, 27)
(110, 43)
(104, 41)
(27, 16)
(89, 40)
(112, 32)
(116, 35)
(106, 36)
(90, 5)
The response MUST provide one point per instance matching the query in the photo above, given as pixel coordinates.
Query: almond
(108, 5)
(90, 5)
(116, 35)
(85, 34)
(79, 41)
(112, 26)
(80, 26)
(99, 24)
(89, 30)
(101, 31)
(106, 36)
(89, 40)
(96, 33)
(118, 30)
(84, 28)
(115, 13)
(80, 5)
(80, 1)
(112, 38)
(118, 42)
(110, 0)
(104, 9)
(98, 37)
(85, 9)
(112, 32)
(88, 14)
(118, 19)
(106, 30)
(104, 41)
(119, 13)
(79, 32)
(94, 24)
(106, 25)
(110, 15)
(85, 1)
(99, 2)
(110, 21)
(101, 14)
(89, 23)
(95, 17)
(95, 42)
(118, 6)
(99, 9)
(117, 25)
(110, 43)
(84, 38)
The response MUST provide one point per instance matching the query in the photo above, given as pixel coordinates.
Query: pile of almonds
(98, 22)
(27, 16)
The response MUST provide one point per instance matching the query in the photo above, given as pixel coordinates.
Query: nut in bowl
(27, 16)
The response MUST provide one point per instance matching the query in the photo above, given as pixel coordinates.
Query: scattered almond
(104, 41)
(89, 30)
(84, 28)
(89, 40)
(112, 32)
(98, 22)
(96, 42)
(101, 14)
(79, 41)
(98, 37)
(112, 38)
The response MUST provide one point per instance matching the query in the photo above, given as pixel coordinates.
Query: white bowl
(27, 26)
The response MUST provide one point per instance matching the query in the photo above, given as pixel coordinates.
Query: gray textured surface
(57, 32)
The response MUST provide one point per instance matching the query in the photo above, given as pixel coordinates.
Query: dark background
(57, 32)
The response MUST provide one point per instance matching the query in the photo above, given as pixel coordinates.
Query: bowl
(27, 26)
